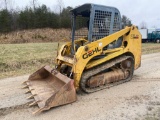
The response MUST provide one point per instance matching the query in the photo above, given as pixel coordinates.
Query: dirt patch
(8, 110)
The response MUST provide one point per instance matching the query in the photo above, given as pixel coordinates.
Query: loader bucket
(50, 88)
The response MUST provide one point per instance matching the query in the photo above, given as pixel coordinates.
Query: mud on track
(131, 100)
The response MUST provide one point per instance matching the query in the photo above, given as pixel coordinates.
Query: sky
(139, 11)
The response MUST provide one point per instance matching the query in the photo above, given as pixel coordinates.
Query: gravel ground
(128, 101)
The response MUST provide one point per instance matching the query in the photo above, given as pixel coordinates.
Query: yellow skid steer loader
(100, 55)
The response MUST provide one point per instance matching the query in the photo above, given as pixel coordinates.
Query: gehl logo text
(90, 53)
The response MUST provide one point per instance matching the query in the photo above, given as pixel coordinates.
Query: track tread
(93, 71)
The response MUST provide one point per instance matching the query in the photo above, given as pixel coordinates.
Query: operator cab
(93, 22)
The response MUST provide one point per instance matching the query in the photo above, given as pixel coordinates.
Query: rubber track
(93, 71)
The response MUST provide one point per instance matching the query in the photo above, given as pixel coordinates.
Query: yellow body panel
(131, 45)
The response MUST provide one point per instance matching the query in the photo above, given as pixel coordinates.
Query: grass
(20, 59)
(148, 48)
(35, 36)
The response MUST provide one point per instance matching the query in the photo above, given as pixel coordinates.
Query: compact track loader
(100, 55)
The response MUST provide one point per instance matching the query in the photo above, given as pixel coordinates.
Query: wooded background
(38, 16)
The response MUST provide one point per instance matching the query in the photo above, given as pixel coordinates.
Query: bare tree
(34, 6)
(34, 3)
(126, 21)
(1, 4)
(60, 5)
(5, 2)
(143, 25)
(11, 5)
